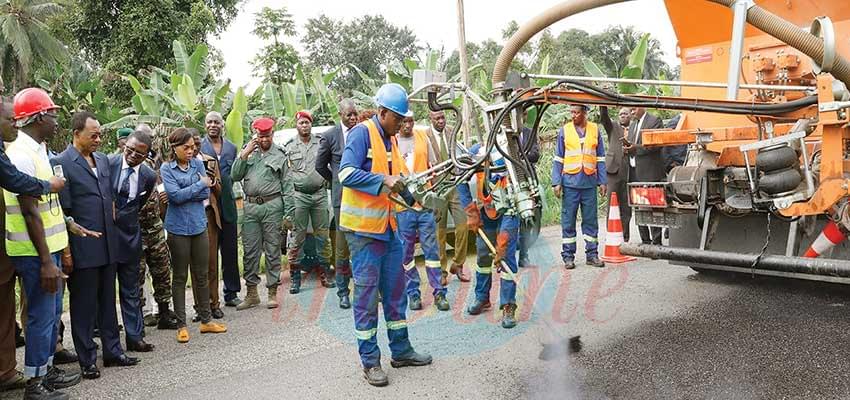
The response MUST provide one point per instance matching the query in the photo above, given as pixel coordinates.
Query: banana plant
(634, 70)
(309, 92)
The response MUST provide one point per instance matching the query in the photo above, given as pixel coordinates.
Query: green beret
(124, 132)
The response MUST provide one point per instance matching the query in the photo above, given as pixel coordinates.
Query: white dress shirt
(134, 179)
(632, 162)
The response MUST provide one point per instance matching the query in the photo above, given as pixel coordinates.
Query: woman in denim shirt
(187, 186)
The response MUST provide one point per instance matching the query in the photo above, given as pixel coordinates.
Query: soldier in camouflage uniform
(155, 254)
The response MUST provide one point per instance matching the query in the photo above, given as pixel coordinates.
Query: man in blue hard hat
(577, 170)
(369, 174)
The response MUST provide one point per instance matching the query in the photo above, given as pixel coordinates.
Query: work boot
(167, 318)
(36, 390)
(509, 316)
(328, 278)
(376, 376)
(414, 359)
(457, 269)
(213, 327)
(569, 264)
(595, 262)
(415, 303)
(252, 299)
(295, 276)
(59, 379)
(151, 320)
(272, 302)
(441, 302)
(344, 302)
(478, 307)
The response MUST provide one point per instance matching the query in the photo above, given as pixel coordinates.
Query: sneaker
(344, 302)
(233, 302)
(59, 379)
(415, 303)
(569, 265)
(376, 376)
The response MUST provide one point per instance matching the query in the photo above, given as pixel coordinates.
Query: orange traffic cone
(614, 237)
(827, 239)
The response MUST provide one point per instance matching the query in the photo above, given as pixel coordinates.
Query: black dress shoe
(217, 313)
(65, 357)
(90, 372)
(59, 379)
(122, 361)
(196, 318)
(167, 321)
(141, 346)
(35, 390)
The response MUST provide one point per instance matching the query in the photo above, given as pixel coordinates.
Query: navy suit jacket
(127, 216)
(88, 198)
(328, 159)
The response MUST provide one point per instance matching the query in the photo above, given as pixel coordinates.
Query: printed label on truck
(698, 55)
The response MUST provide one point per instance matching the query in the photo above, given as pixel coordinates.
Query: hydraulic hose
(797, 38)
(762, 19)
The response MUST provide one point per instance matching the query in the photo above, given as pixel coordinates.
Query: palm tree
(25, 39)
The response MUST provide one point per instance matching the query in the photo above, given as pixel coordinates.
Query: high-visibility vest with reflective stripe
(361, 211)
(580, 153)
(420, 153)
(487, 201)
(18, 241)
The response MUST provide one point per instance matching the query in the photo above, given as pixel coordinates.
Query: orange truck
(764, 105)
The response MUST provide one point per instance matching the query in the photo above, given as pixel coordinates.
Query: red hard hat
(32, 101)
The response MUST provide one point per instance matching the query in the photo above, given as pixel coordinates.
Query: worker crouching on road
(577, 170)
(309, 201)
(502, 229)
(369, 172)
(261, 168)
(418, 155)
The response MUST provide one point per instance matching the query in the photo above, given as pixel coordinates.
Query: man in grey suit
(438, 133)
(645, 164)
(616, 167)
(331, 145)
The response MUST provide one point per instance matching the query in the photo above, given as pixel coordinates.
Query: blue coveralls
(579, 190)
(502, 225)
(376, 259)
(422, 224)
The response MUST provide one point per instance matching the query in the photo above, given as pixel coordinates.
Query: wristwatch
(69, 219)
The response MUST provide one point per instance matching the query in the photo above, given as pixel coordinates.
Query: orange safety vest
(487, 201)
(420, 153)
(580, 153)
(361, 211)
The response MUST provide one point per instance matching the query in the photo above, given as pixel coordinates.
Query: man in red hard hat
(261, 168)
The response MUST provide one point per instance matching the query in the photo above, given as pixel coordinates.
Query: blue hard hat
(393, 97)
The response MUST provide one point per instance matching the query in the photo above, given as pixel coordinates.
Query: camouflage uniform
(155, 251)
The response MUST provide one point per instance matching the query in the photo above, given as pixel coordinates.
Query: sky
(435, 22)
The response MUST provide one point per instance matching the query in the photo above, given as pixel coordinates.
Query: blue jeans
(412, 224)
(571, 200)
(506, 226)
(376, 267)
(43, 313)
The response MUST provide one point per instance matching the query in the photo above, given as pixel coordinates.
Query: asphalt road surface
(649, 330)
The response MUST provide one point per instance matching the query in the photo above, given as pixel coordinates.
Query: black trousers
(92, 295)
(227, 239)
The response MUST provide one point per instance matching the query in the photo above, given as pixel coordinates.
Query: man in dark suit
(616, 166)
(87, 198)
(216, 145)
(331, 145)
(132, 182)
(645, 164)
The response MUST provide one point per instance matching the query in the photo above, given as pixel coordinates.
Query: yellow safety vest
(361, 211)
(18, 241)
(580, 153)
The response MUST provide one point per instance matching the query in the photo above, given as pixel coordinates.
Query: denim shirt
(186, 194)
